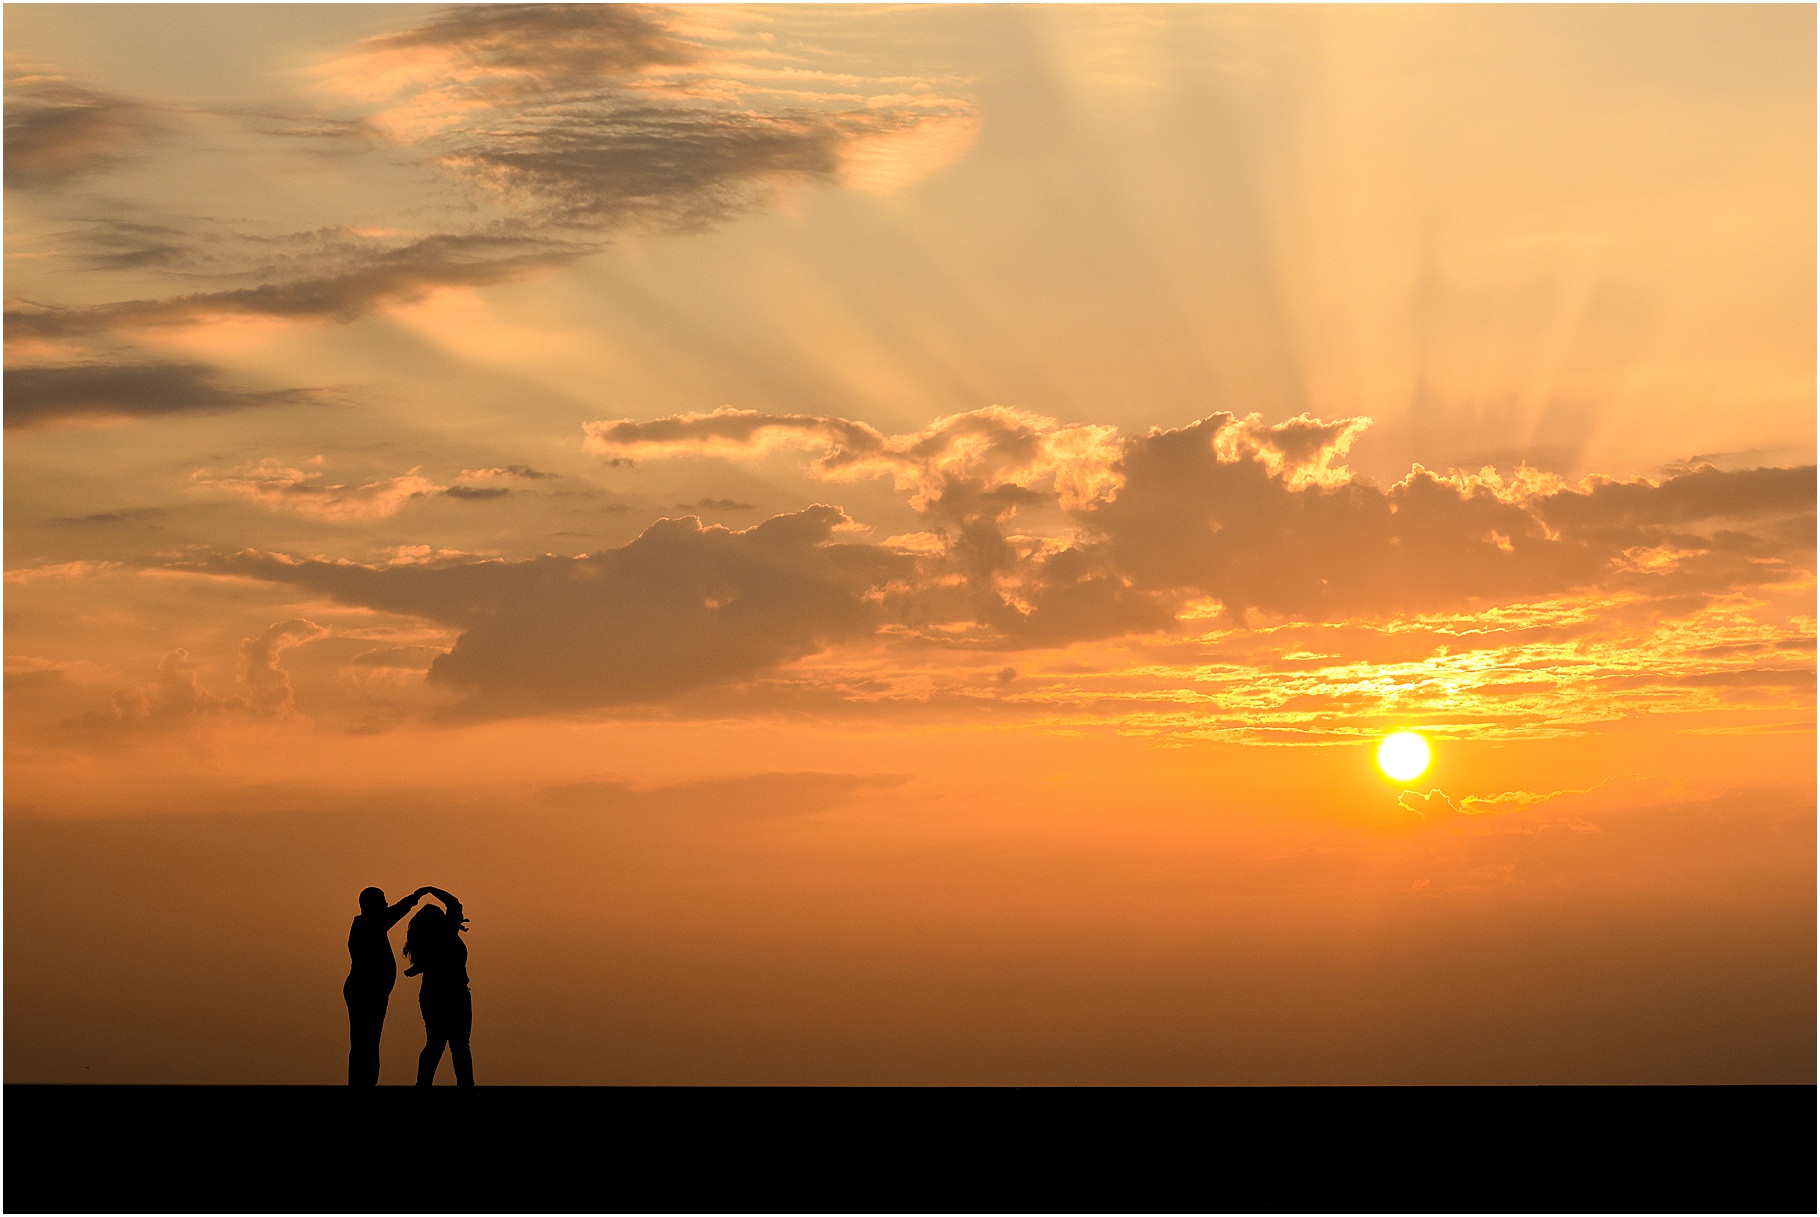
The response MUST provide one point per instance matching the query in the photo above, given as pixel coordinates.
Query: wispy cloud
(57, 131)
(563, 124)
(1435, 806)
(509, 52)
(394, 275)
(603, 115)
(124, 515)
(114, 244)
(503, 472)
(80, 569)
(280, 487)
(71, 393)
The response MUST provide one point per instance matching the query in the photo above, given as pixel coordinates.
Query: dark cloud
(45, 396)
(57, 131)
(847, 441)
(518, 50)
(109, 244)
(968, 475)
(125, 515)
(1647, 513)
(680, 607)
(496, 474)
(1257, 517)
(309, 126)
(1073, 596)
(604, 115)
(1796, 678)
(1189, 519)
(400, 274)
(716, 505)
(663, 166)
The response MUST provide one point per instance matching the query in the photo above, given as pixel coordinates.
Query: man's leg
(366, 1021)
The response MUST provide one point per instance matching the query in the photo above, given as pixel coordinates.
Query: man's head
(372, 900)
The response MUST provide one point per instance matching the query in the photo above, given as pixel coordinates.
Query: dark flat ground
(561, 1149)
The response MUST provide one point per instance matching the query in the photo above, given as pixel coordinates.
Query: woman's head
(427, 924)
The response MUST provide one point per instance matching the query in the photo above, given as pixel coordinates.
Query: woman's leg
(461, 1024)
(429, 1058)
(435, 1036)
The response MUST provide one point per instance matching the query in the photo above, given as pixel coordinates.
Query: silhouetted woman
(372, 971)
(433, 944)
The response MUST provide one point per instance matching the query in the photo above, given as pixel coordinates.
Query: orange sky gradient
(879, 545)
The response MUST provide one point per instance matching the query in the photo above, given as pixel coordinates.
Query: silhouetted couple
(432, 942)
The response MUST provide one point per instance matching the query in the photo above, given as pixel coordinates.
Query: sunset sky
(878, 545)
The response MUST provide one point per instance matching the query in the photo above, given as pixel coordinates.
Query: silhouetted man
(372, 972)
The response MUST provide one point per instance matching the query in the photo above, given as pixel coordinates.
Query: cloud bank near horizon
(1038, 535)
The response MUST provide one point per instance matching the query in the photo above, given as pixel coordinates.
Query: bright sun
(1403, 756)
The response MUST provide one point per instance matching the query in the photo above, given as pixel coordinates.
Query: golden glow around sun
(1403, 756)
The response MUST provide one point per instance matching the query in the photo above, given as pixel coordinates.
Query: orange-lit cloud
(1222, 549)
(178, 696)
(956, 457)
(1188, 519)
(1266, 518)
(1433, 806)
(279, 487)
(268, 686)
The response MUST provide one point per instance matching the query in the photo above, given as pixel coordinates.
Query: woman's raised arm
(450, 903)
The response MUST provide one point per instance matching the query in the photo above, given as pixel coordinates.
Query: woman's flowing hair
(421, 935)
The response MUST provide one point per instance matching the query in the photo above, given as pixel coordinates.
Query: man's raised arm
(396, 913)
